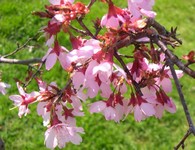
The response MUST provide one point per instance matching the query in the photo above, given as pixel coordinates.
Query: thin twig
(33, 76)
(20, 62)
(91, 3)
(174, 58)
(129, 76)
(162, 31)
(181, 143)
(80, 21)
(181, 95)
(60, 94)
(21, 47)
(78, 30)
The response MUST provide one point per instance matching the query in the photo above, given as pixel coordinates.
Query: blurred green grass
(17, 25)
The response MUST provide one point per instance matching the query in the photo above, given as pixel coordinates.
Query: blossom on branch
(3, 87)
(139, 8)
(58, 52)
(60, 134)
(114, 18)
(23, 100)
(60, 2)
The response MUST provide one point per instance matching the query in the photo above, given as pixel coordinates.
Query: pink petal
(20, 89)
(120, 110)
(76, 103)
(92, 88)
(166, 85)
(170, 107)
(149, 94)
(23, 110)
(50, 61)
(89, 72)
(49, 43)
(105, 90)
(109, 113)
(138, 113)
(41, 108)
(17, 99)
(112, 22)
(60, 17)
(50, 138)
(147, 109)
(55, 2)
(71, 121)
(78, 79)
(46, 55)
(104, 71)
(76, 139)
(62, 58)
(3, 86)
(159, 111)
(147, 13)
(97, 107)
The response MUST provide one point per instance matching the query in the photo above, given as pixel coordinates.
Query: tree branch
(21, 47)
(91, 3)
(20, 62)
(34, 75)
(175, 59)
(179, 89)
(80, 21)
(129, 76)
(181, 95)
(181, 143)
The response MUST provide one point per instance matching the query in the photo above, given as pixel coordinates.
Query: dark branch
(175, 59)
(22, 47)
(80, 21)
(91, 3)
(78, 30)
(178, 86)
(170, 63)
(181, 143)
(129, 76)
(20, 62)
(34, 75)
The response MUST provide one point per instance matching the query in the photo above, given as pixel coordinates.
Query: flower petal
(50, 61)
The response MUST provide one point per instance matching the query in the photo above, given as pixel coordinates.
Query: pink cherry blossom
(97, 76)
(60, 2)
(166, 101)
(83, 53)
(109, 112)
(143, 111)
(58, 52)
(77, 42)
(140, 64)
(3, 87)
(139, 8)
(60, 134)
(164, 79)
(114, 17)
(43, 111)
(112, 109)
(23, 100)
(141, 108)
(53, 27)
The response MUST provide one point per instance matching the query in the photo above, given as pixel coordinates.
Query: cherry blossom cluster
(136, 83)
(3, 87)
